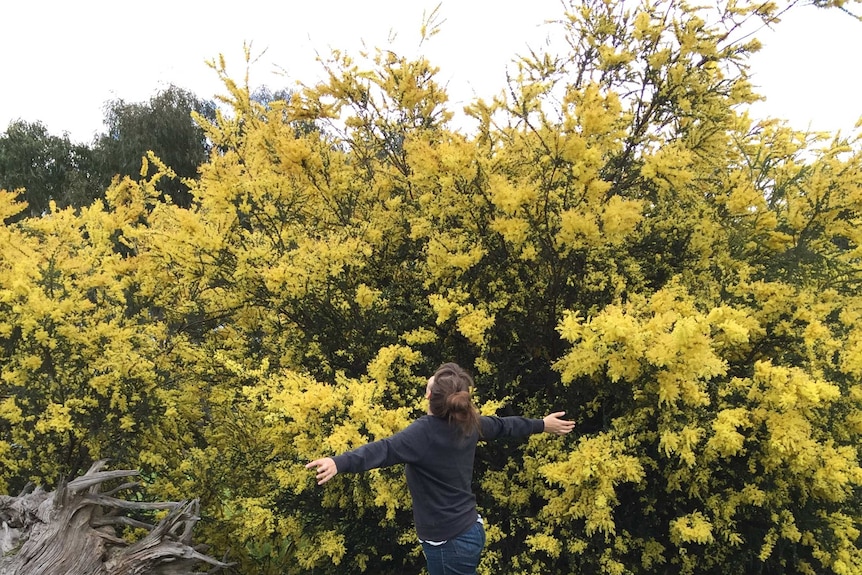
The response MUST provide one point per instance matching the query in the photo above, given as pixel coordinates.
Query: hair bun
(450, 397)
(459, 401)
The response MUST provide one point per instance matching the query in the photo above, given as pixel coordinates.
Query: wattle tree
(617, 238)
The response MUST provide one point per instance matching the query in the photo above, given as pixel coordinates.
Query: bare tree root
(74, 531)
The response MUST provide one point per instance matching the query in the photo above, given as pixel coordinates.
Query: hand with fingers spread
(555, 424)
(326, 469)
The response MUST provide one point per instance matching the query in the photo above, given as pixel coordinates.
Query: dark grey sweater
(439, 468)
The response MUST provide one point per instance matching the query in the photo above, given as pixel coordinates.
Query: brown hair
(450, 398)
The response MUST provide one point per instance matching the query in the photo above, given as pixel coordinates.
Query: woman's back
(440, 481)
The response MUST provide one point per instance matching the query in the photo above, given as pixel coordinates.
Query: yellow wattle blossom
(56, 417)
(474, 324)
(578, 230)
(366, 296)
(10, 411)
(691, 528)
(617, 235)
(620, 218)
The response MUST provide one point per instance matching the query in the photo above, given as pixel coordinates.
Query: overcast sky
(62, 60)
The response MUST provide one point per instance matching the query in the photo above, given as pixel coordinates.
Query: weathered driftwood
(73, 531)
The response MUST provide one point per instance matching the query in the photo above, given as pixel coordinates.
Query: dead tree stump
(73, 531)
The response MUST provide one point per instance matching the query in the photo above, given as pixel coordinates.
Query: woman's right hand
(555, 424)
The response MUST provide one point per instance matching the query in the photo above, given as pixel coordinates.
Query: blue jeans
(458, 556)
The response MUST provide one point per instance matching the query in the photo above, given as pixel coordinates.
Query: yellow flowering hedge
(614, 237)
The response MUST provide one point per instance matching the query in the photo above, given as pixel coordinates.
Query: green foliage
(164, 126)
(617, 238)
(47, 168)
(51, 168)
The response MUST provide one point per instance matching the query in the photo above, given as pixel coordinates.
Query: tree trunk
(73, 531)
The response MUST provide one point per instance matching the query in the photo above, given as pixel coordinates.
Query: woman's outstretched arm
(517, 426)
(406, 446)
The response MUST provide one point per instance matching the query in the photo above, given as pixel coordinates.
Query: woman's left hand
(326, 469)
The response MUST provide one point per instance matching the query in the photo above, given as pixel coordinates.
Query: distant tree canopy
(165, 126)
(617, 238)
(49, 167)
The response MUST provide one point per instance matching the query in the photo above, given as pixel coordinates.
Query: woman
(438, 451)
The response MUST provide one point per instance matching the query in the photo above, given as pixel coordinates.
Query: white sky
(60, 61)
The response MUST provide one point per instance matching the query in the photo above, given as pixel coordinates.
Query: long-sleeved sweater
(439, 468)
